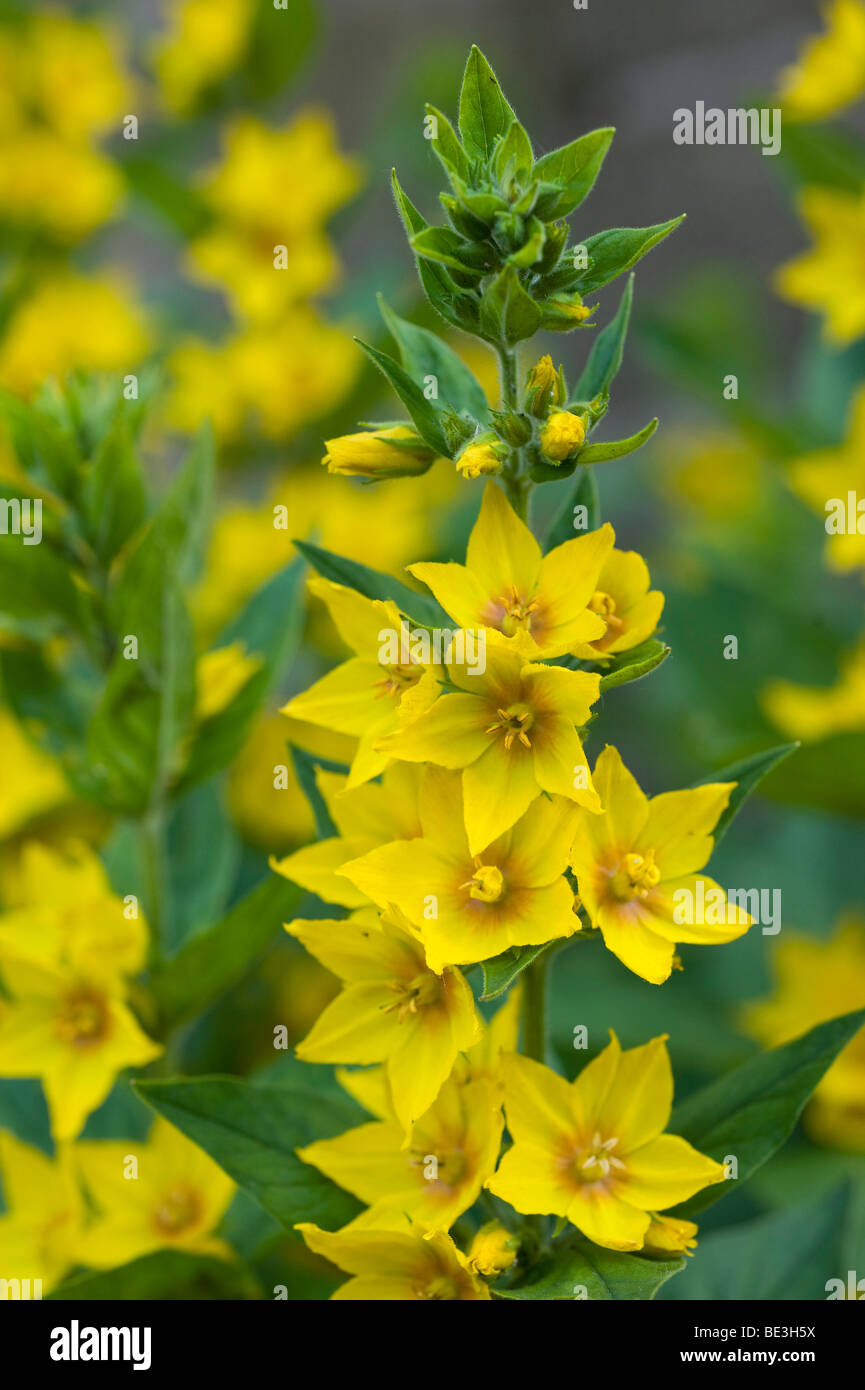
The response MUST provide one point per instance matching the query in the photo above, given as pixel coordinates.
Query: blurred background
(257, 127)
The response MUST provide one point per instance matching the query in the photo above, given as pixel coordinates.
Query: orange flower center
(178, 1209)
(635, 876)
(413, 995)
(83, 1019)
(596, 1162)
(514, 722)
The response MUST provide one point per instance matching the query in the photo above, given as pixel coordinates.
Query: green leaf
(270, 626)
(605, 358)
(573, 169)
(37, 594)
(787, 1255)
(449, 248)
(114, 496)
(606, 1275)
(751, 1111)
(747, 775)
(421, 607)
(447, 146)
(484, 113)
(514, 154)
(617, 448)
(211, 962)
(635, 664)
(613, 252)
(166, 1274)
(424, 415)
(507, 312)
(424, 354)
(252, 1133)
(441, 291)
(201, 858)
(824, 155)
(305, 765)
(584, 493)
(46, 452)
(280, 42)
(826, 774)
(500, 971)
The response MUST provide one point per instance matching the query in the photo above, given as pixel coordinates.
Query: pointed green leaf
(441, 291)
(252, 1132)
(750, 1112)
(747, 775)
(575, 1263)
(114, 497)
(605, 358)
(515, 152)
(573, 170)
(305, 765)
(447, 146)
(617, 448)
(635, 664)
(484, 113)
(500, 971)
(423, 412)
(166, 1274)
(423, 354)
(507, 312)
(613, 252)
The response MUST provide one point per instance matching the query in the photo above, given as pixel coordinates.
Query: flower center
(635, 876)
(605, 606)
(597, 1162)
(517, 612)
(438, 1290)
(83, 1019)
(514, 722)
(398, 680)
(178, 1209)
(413, 995)
(451, 1166)
(486, 884)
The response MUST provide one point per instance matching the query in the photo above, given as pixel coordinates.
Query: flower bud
(670, 1234)
(381, 453)
(481, 457)
(563, 312)
(545, 387)
(493, 1249)
(562, 435)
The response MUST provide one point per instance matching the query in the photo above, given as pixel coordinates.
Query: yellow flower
(393, 1009)
(202, 46)
(432, 1175)
(48, 182)
(670, 1235)
(397, 1266)
(365, 696)
(831, 277)
(274, 188)
(67, 916)
(815, 981)
(478, 460)
(372, 454)
(636, 864)
(276, 376)
(513, 729)
(32, 781)
(220, 675)
(493, 1250)
(816, 712)
(73, 1030)
(545, 387)
(829, 475)
(562, 435)
(538, 601)
(40, 1232)
(471, 908)
(830, 72)
(365, 817)
(594, 1150)
(71, 322)
(74, 74)
(625, 603)
(163, 1193)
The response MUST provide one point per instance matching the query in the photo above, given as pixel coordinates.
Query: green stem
(534, 1009)
(514, 481)
(151, 850)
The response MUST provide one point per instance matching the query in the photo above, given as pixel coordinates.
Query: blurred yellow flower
(815, 981)
(72, 322)
(202, 45)
(720, 476)
(813, 712)
(165, 1193)
(830, 278)
(220, 675)
(73, 72)
(40, 1231)
(271, 196)
(829, 476)
(50, 183)
(32, 781)
(830, 71)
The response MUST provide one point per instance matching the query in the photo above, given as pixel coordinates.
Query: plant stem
(534, 1009)
(515, 482)
(151, 852)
